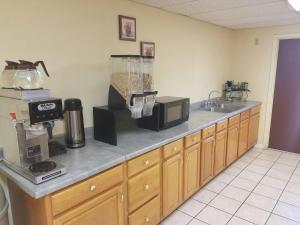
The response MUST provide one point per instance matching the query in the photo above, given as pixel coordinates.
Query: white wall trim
(271, 86)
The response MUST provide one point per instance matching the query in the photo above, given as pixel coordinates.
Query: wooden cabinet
(107, 209)
(207, 159)
(172, 183)
(253, 130)
(191, 170)
(243, 137)
(220, 152)
(232, 144)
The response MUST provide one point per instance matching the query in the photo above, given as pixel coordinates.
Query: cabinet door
(191, 170)
(243, 137)
(106, 209)
(253, 130)
(232, 144)
(220, 152)
(172, 183)
(207, 159)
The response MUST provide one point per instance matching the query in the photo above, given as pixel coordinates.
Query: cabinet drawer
(143, 187)
(222, 125)
(245, 115)
(234, 120)
(209, 131)
(192, 139)
(149, 214)
(78, 193)
(173, 148)
(143, 162)
(255, 110)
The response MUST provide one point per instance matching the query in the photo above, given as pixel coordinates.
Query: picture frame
(127, 28)
(147, 49)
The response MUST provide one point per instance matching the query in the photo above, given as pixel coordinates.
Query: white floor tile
(279, 174)
(287, 211)
(289, 162)
(273, 182)
(261, 202)
(234, 171)
(197, 222)
(297, 171)
(253, 154)
(293, 188)
(225, 204)
(268, 191)
(215, 186)
(238, 221)
(243, 184)
(247, 159)
(248, 175)
(177, 218)
(213, 216)
(253, 214)
(257, 169)
(295, 179)
(204, 196)
(192, 207)
(290, 155)
(262, 162)
(278, 220)
(225, 178)
(235, 193)
(290, 198)
(283, 167)
(240, 164)
(268, 157)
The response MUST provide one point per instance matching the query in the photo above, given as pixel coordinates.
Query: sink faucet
(212, 92)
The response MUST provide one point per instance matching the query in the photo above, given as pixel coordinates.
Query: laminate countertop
(96, 156)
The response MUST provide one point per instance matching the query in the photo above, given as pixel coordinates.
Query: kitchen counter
(96, 156)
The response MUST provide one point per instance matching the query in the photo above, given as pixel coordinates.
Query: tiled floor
(262, 187)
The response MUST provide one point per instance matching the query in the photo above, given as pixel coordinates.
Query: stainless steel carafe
(75, 136)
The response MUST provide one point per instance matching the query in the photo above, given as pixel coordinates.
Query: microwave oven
(167, 112)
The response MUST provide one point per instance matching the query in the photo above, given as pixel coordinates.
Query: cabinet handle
(193, 139)
(122, 197)
(147, 187)
(147, 219)
(147, 162)
(93, 188)
(175, 148)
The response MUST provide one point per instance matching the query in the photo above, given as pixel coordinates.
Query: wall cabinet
(172, 183)
(191, 170)
(207, 159)
(107, 208)
(243, 137)
(232, 144)
(220, 152)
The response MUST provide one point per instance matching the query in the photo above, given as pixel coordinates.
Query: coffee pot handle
(43, 65)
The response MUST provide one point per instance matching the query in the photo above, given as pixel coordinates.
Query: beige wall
(252, 63)
(76, 38)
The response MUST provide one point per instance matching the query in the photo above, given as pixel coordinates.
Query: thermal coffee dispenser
(131, 96)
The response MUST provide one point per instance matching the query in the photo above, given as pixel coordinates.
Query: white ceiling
(235, 14)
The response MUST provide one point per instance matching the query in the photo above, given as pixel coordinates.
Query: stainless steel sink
(221, 107)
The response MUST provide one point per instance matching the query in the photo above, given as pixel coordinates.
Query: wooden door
(106, 209)
(253, 131)
(191, 170)
(285, 132)
(232, 144)
(243, 137)
(207, 159)
(220, 152)
(172, 184)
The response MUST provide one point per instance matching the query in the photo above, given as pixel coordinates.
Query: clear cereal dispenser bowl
(127, 79)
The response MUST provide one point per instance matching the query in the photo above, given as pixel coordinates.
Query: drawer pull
(93, 188)
(147, 162)
(147, 219)
(174, 149)
(147, 187)
(193, 139)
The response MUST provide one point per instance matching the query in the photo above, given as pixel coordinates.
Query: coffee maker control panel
(45, 110)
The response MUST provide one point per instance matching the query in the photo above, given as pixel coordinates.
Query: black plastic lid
(73, 104)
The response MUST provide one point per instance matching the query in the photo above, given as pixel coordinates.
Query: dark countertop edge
(123, 158)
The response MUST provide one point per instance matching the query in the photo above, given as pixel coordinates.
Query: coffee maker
(24, 126)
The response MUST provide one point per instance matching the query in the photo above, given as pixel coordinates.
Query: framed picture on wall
(148, 49)
(127, 28)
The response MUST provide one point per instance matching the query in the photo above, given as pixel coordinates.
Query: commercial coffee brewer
(24, 136)
(131, 96)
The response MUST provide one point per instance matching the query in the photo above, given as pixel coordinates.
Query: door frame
(271, 85)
